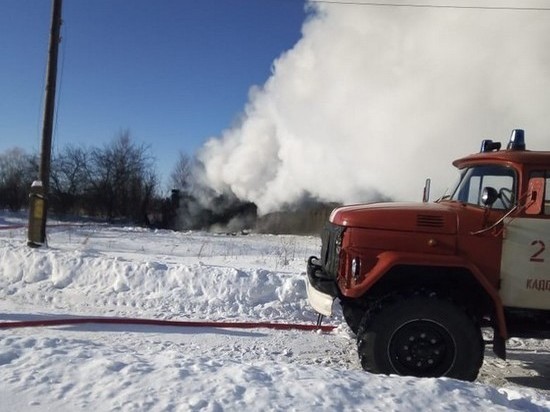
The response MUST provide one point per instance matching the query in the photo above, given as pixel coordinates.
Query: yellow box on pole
(37, 218)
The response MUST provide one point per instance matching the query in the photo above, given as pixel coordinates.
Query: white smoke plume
(372, 100)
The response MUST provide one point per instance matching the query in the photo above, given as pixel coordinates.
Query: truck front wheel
(352, 316)
(420, 336)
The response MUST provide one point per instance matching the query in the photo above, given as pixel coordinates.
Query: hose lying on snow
(12, 227)
(176, 323)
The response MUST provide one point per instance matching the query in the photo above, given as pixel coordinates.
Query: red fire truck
(417, 282)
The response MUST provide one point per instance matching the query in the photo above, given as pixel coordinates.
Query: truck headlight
(356, 267)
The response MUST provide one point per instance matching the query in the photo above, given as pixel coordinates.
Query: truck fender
(387, 260)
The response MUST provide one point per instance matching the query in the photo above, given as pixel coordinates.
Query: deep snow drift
(114, 271)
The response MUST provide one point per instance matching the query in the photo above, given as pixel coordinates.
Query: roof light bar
(517, 140)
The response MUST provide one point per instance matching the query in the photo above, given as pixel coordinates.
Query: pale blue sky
(173, 72)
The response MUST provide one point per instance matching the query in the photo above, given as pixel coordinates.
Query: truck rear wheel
(420, 336)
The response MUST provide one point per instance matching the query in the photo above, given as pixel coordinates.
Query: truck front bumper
(321, 288)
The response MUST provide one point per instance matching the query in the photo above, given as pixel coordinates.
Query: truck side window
(546, 175)
(474, 179)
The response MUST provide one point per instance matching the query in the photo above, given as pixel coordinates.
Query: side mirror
(535, 196)
(426, 192)
(489, 196)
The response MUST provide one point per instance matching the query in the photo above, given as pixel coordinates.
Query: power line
(428, 6)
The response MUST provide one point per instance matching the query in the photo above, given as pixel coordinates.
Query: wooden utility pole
(40, 188)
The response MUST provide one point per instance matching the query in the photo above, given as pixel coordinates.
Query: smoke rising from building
(372, 100)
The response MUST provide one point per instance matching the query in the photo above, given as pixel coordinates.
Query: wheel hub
(421, 348)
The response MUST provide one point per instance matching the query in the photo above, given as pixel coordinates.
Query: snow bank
(86, 276)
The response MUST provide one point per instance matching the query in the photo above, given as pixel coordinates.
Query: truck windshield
(474, 179)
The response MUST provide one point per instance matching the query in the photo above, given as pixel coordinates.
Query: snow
(100, 270)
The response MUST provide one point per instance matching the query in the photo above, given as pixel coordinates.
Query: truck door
(525, 262)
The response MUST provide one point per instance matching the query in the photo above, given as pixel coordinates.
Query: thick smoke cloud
(372, 100)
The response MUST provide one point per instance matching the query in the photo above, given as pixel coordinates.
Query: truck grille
(430, 221)
(330, 250)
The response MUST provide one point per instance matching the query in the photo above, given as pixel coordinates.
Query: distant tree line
(116, 181)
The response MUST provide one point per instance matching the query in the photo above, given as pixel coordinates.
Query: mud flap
(499, 345)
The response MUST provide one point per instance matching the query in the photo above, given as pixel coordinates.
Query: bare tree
(123, 179)
(180, 178)
(17, 172)
(69, 179)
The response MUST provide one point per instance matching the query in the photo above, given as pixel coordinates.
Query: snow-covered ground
(113, 271)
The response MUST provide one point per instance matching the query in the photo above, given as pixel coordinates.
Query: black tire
(352, 316)
(420, 336)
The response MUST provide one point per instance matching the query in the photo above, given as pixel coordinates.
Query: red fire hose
(176, 323)
(12, 227)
